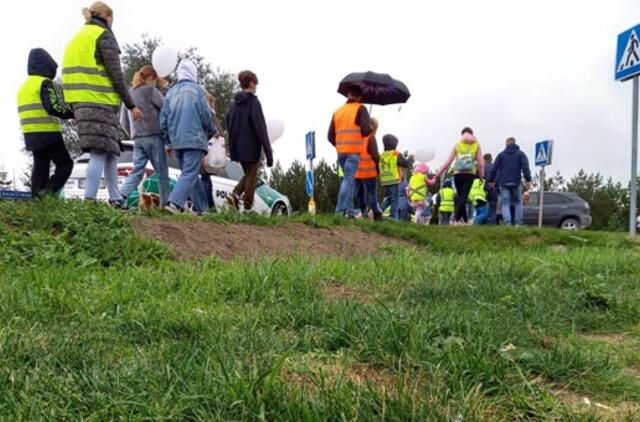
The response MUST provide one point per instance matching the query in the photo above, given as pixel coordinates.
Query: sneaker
(233, 200)
(377, 216)
(172, 209)
(118, 204)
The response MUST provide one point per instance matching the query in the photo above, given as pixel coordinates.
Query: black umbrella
(377, 88)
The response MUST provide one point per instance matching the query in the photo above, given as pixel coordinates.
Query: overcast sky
(530, 69)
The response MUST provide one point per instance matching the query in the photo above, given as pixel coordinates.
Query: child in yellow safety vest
(418, 193)
(446, 200)
(391, 161)
(478, 197)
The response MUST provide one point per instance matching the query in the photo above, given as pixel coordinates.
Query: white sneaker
(172, 209)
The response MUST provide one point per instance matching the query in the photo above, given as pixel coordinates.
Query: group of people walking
(470, 182)
(177, 119)
(100, 101)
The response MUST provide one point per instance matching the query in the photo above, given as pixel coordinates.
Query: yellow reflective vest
(389, 171)
(447, 200)
(83, 79)
(417, 188)
(33, 116)
(477, 193)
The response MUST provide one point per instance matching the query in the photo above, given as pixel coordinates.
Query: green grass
(483, 323)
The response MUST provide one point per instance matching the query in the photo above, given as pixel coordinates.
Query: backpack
(466, 158)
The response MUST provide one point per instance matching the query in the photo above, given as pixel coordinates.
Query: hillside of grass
(456, 323)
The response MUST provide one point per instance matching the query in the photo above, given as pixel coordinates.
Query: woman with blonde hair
(367, 174)
(149, 145)
(93, 83)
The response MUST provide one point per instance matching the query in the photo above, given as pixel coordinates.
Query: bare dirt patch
(531, 240)
(587, 407)
(562, 249)
(318, 373)
(189, 240)
(339, 292)
(614, 339)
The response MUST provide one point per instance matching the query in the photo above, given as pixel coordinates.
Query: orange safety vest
(367, 168)
(349, 139)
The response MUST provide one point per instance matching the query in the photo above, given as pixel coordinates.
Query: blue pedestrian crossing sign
(543, 153)
(628, 54)
(308, 185)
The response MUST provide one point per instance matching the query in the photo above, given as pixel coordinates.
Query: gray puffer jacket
(98, 125)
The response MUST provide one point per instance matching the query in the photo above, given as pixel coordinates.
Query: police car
(267, 200)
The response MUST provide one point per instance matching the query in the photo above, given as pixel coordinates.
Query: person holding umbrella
(349, 128)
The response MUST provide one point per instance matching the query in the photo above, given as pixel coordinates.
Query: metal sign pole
(542, 176)
(634, 162)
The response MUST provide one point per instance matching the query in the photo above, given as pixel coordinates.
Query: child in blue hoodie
(187, 122)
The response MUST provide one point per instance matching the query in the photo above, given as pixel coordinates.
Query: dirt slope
(197, 239)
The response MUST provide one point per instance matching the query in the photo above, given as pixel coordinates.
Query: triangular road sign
(631, 55)
(542, 154)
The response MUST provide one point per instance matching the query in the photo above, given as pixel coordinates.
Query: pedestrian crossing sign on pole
(543, 152)
(628, 54)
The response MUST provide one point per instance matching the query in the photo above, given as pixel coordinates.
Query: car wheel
(570, 224)
(279, 209)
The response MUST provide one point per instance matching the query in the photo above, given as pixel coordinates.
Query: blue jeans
(482, 214)
(99, 161)
(367, 187)
(208, 189)
(392, 193)
(189, 185)
(511, 196)
(349, 163)
(145, 149)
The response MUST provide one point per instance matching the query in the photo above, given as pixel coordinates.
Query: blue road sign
(309, 183)
(14, 194)
(544, 150)
(310, 144)
(628, 54)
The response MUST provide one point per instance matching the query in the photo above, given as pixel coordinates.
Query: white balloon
(164, 60)
(426, 155)
(275, 129)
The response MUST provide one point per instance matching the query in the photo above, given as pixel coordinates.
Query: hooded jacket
(248, 135)
(186, 120)
(42, 64)
(390, 143)
(511, 164)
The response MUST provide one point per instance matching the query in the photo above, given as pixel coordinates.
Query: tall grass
(471, 323)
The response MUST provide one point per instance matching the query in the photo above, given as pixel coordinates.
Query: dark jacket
(98, 124)
(247, 128)
(42, 64)
(108, 55)
(390, 143)
(362, 119)
(511, 164)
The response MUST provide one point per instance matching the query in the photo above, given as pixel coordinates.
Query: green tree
(327, 186)
(220, 83)
(291, 183)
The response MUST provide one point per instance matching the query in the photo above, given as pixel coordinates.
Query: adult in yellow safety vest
(349, 128)
(40, 110)
(466, 157)
(446, 202)
(367, 174)
(94, 85)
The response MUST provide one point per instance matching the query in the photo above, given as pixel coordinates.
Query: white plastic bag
(216, 158)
